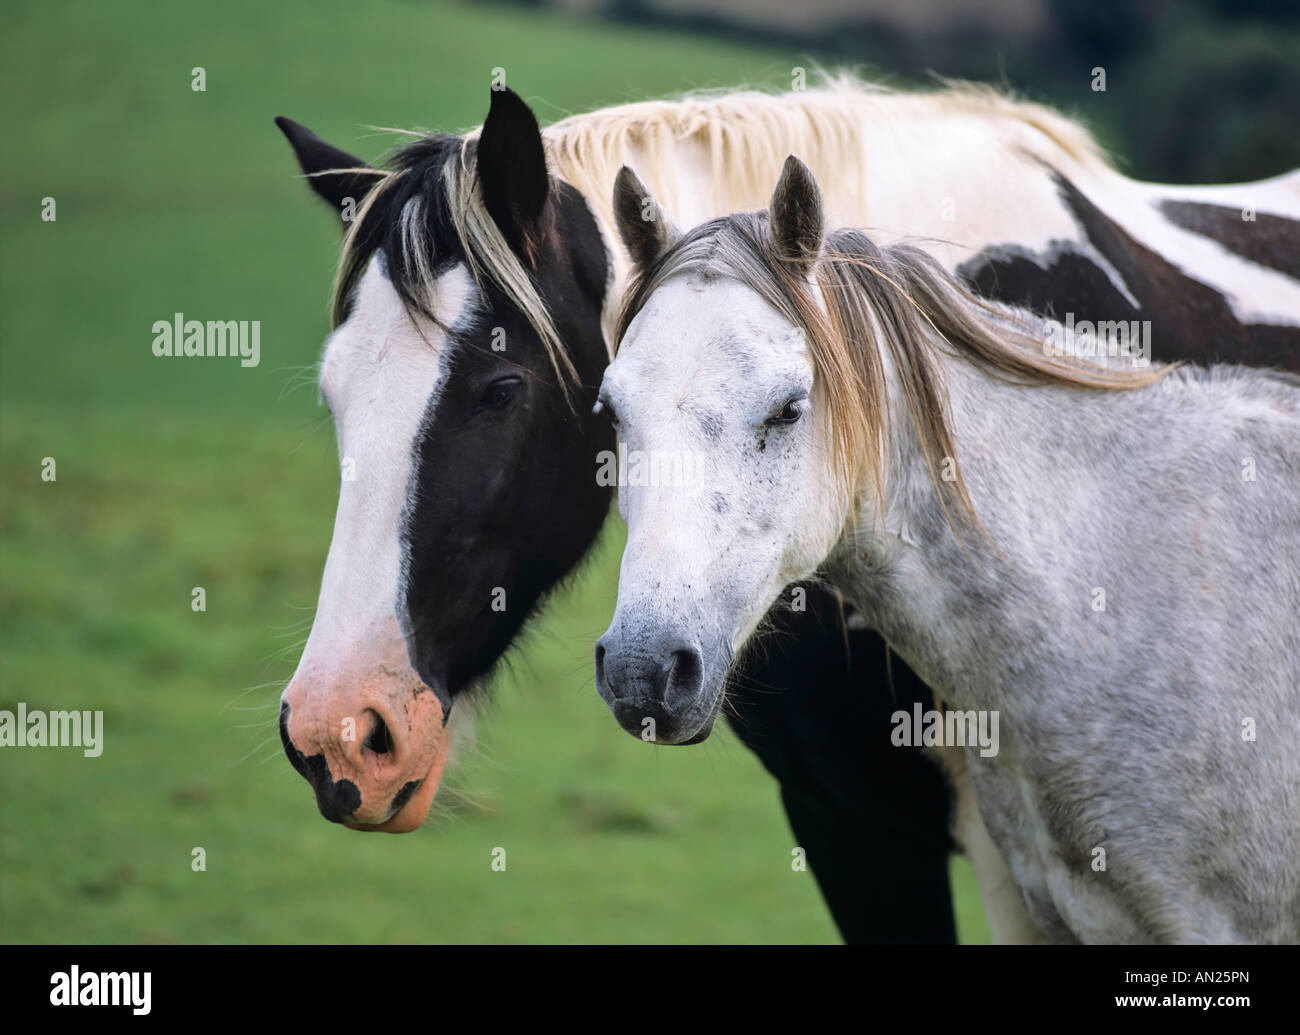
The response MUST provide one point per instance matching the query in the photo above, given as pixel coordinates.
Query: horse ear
(796, 216)
(343, 190)
(512, 169)
(642, 223)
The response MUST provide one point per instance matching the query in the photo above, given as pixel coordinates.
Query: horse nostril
(294, 755)
(378, 739)
(681, 678)
(600, 670)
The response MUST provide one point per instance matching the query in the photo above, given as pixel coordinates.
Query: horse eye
(604, 406)
(498, 394)
(789, 413)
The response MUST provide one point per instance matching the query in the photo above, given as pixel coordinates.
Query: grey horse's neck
(1133, 625)
(1103, 510)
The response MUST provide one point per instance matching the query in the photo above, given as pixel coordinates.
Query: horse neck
(1077, 490)
(935, 587)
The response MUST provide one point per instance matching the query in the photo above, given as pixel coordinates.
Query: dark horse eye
(788, 414)
(603, 406)
(498, 394)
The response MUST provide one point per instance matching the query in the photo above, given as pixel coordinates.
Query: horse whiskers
(311, 433)
(249, 690)
(280, 653)
(295, 627)
(300, 377)
(255, 748)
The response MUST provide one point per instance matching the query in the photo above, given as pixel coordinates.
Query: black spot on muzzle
(337, 800)
(403, 796)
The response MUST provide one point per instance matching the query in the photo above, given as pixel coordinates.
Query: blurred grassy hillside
(174, 474)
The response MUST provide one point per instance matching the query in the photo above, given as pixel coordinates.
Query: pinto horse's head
(461, 375)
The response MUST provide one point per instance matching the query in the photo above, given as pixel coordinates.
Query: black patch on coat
(505, 498)
(1267, 240)
(814, 701)
(1189, 320)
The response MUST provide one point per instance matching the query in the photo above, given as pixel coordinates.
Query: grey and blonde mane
(863, 307)
(429, 190)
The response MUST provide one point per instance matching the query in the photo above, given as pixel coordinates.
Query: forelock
(427, 213)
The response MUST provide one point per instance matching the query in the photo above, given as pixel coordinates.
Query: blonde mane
(744, 137)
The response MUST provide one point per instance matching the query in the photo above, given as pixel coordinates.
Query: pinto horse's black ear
(796, 216)
(343, 190)
(642, 223)
(512, 170)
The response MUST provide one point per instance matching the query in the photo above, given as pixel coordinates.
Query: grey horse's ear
(642, 222)
(797, 223)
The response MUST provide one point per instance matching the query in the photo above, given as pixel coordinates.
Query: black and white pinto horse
(478, 288)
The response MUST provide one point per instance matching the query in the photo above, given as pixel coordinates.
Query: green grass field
(173, 474)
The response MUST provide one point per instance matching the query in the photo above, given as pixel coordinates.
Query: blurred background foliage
(181, 473)
(1197, 91)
